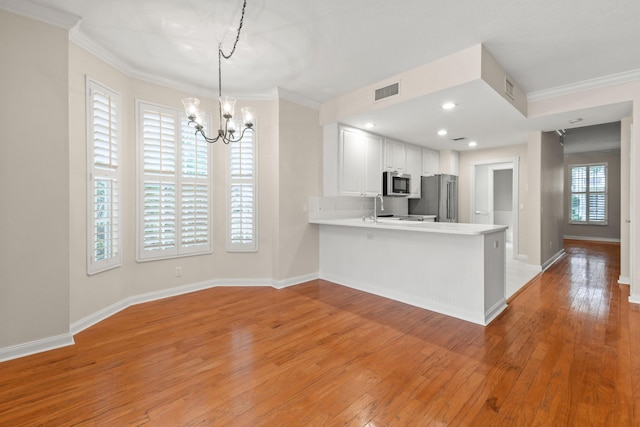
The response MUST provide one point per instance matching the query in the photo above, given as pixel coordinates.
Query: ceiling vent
(462, 138)
(508, 88)
(387, 91)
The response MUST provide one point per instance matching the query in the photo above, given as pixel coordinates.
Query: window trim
(231, 246)
(587, 192)
(177, 251)
(93, 266)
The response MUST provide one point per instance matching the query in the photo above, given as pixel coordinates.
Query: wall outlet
(178, 271)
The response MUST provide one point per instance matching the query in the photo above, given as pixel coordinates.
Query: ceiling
(316, 50)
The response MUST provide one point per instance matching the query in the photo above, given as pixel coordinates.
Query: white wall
(625, 191)
(34, 177)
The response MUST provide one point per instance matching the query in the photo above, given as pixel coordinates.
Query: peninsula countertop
(418, 226)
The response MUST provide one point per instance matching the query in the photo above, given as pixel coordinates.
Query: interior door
(482, 209)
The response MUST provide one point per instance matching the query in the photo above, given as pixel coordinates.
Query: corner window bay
(174, 192)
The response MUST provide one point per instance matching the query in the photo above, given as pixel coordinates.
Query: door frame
(500, 163)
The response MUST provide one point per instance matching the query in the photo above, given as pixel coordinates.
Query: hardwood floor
(565, 353)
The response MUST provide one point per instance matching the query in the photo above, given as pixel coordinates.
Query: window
(174, 190)
(588, 194)
(104, 178)
(241, 200)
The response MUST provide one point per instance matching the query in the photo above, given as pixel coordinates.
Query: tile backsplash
(353, 207)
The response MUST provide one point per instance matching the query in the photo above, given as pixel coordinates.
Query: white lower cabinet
(359, 163)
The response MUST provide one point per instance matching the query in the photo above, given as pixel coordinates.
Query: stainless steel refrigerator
(439, 197)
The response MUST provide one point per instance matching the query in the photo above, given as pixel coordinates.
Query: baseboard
(109, 311)
(37, 346)
(281, 284)
(64, 340)
(623, 280)
(426, 304)
(522, 257)
(553, 259)
(92, 319)
(592, 239)
(497, 309)
(635, 299)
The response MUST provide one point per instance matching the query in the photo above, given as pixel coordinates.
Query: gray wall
(603, 232)
(551, 196)
(503, 190)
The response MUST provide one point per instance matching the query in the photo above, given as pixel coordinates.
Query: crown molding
(297, 99)
(41, 13)
(86, 43)
(584, 85)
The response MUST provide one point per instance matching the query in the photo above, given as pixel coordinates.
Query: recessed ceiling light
(448, 106)
(472, 144)
(442, 132)
(369, 125)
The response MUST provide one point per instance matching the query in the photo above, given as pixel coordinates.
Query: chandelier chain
(221, 54)
(244, 5)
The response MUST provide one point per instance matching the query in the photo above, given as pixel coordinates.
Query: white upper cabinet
(449, 160)
(430, 162)
(395, 157)
(414, 168)
(360, 163)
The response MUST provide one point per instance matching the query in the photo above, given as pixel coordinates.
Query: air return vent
(508, 88)
(387, 91)
(462, 138)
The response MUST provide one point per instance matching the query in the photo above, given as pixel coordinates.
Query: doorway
(494, 196)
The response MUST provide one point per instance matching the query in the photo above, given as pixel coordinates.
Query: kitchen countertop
(418, 226)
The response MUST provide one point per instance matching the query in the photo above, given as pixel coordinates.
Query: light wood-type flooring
(565, 353)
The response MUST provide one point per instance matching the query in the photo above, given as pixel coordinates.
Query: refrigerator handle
(448, 200)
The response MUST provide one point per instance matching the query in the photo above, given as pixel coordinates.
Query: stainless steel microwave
(396, 184)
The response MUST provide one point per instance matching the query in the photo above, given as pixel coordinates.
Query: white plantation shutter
(159, 216)
(241, 201)
(103, 188)
(175, 192)
(195, 224)
(588, 203)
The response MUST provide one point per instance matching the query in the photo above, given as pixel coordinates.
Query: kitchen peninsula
(450, 268)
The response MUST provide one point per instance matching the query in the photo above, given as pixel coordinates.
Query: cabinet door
(414, 168)
(351, 163)
(394, 156)
(430, 162)
(373, 165)
(400, 157)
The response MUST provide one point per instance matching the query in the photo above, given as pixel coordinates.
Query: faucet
(375, 206)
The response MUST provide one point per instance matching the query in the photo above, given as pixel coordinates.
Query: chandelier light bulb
(228, 105)
(248, 116)
(191, 106)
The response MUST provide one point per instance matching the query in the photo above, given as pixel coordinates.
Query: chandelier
(226, 133)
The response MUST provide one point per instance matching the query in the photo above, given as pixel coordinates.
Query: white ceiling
(318, 49)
